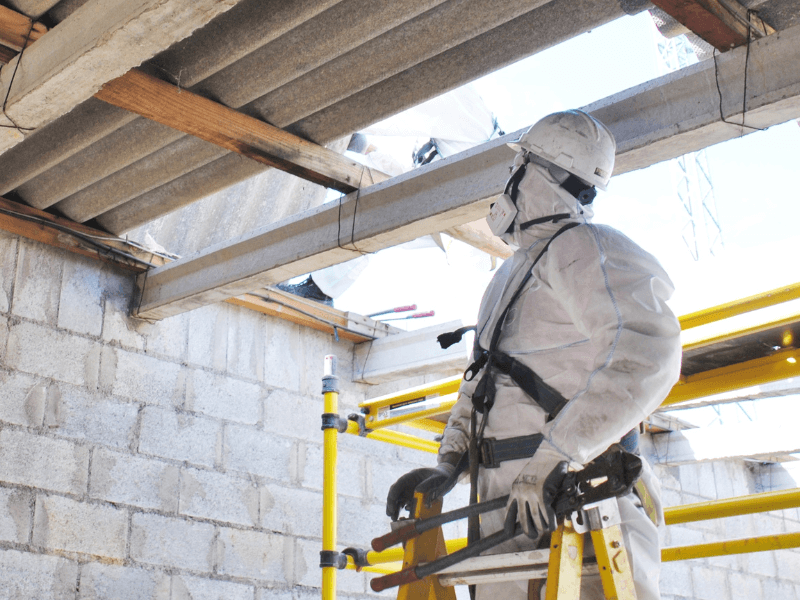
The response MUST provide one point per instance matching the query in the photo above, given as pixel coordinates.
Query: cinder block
(208, 337)
(224, 397)
(285, 365)
(125, 479)
(249, 450)
(147, 379)
(316, 346)
(41, 351)
(119, 327)
(185, 587)
(43, 462)
(350, 469)
(37, 284)
(104, 582)
(384, 473)
(759, 563)
(745, 586)
(3, 338)
(705, 479)
(290, 414)
(80, 302)
(710, 584)
(222, 497)
(24, 398)
(26, 575)
(307, 571)
(724, 479)
(359, 521)
(15, 515)
(684, 535)
(169, 338)
(92, 417)
(272, 593)
(689, 479)
(8, 266)
(172, 542)
(180, 436)
(255, 555)
(775, 589)
(246, 335)
(788, 562)
(291, 511)
(71, 526)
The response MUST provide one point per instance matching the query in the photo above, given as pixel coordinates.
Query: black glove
(434, 482)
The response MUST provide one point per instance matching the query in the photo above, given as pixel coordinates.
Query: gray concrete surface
(100, 41)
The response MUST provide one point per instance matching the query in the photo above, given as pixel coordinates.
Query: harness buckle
(487, 454)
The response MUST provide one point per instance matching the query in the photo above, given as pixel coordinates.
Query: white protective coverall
(593, 323)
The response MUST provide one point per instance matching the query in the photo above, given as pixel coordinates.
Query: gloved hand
(436, 482)
(535, 489)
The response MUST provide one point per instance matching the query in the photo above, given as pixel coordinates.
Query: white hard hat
(574, 141)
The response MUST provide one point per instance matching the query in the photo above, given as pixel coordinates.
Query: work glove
(535, 490)
(435, 482)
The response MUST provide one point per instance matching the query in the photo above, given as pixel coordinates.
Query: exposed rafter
(62, 233)
(16, 29)
(190, 113)
(724, 24)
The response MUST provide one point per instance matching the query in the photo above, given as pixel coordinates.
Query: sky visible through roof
(756, 199)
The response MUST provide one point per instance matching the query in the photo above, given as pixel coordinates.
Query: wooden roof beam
(16, 28)
(724, 24)
(213, 122)
(58, 232)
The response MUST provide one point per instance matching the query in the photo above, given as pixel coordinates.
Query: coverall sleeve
(455, 438)
(615, 294)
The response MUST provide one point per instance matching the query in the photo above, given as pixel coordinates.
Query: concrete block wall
(183, 459)
(169, 461)
(755, 576)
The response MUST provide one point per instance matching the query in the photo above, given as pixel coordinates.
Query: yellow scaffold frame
(436, 399)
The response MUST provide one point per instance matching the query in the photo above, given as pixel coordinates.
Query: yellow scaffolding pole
(441, 409)
(741, 306)
(330, 388)
(781, 365)
(731, 507)
(781, 541)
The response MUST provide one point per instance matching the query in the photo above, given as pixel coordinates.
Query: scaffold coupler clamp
(359, 556)
(362, 423)
(333, 421)
(332, 558)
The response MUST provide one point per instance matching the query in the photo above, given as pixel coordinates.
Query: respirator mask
(503, 213)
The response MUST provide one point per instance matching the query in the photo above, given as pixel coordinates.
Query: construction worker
(574, 347)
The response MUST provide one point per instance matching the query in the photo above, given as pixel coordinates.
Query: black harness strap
(483, 397)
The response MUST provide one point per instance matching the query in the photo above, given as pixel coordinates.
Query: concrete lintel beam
(428, 200)
(680, 112)
(97, 43)
(653, 122)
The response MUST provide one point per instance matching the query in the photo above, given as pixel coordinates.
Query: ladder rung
(493, 568)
